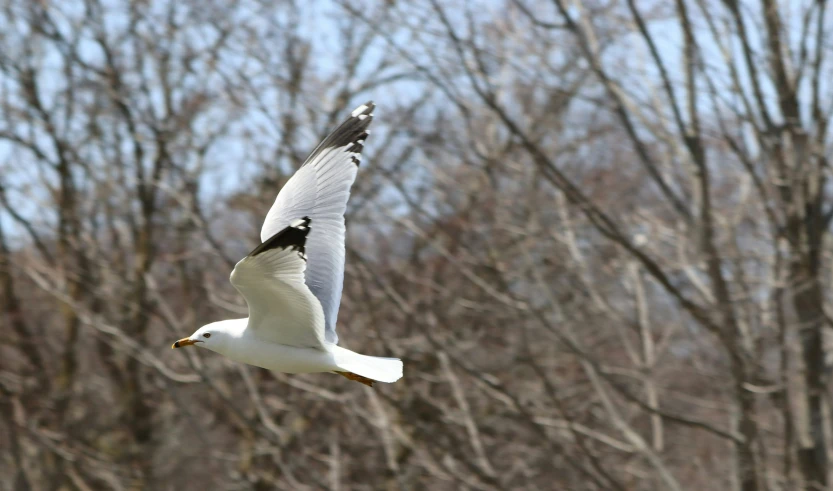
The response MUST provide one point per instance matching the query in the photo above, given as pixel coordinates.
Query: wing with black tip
(319, 190)
(282, 309)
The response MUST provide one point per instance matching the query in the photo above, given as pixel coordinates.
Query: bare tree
(594, 231)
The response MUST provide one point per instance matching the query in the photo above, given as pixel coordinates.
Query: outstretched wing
(282, 309)
(320, 190)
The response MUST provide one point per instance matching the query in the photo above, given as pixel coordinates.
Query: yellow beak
(183, 342)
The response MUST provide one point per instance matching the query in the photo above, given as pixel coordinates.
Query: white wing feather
(282, 309)
(319, 190)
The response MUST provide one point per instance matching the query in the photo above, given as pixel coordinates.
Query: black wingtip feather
(293, 237)
(350, 135)
(366, 108)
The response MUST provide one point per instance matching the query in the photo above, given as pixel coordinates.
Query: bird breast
(281, 357)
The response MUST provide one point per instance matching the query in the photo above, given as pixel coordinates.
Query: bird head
(212, 336)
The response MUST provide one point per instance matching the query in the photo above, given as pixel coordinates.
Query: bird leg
(358, 378)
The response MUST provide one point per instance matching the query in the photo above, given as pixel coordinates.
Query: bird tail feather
(381, 369)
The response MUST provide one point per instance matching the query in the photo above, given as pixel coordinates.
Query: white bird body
(248, 348)
(292, 281)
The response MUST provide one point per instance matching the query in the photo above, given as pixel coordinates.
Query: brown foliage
(596, 232)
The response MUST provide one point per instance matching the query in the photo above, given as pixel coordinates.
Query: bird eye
(207, 335)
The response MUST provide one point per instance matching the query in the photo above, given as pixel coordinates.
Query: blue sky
(231, 162)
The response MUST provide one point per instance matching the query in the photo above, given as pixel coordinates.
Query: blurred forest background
(596, 232)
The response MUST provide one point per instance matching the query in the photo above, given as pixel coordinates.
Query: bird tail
(377, 368)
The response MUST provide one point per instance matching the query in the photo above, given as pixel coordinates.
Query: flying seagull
(292, 281)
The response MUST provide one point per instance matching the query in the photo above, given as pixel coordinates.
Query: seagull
(292, 281)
